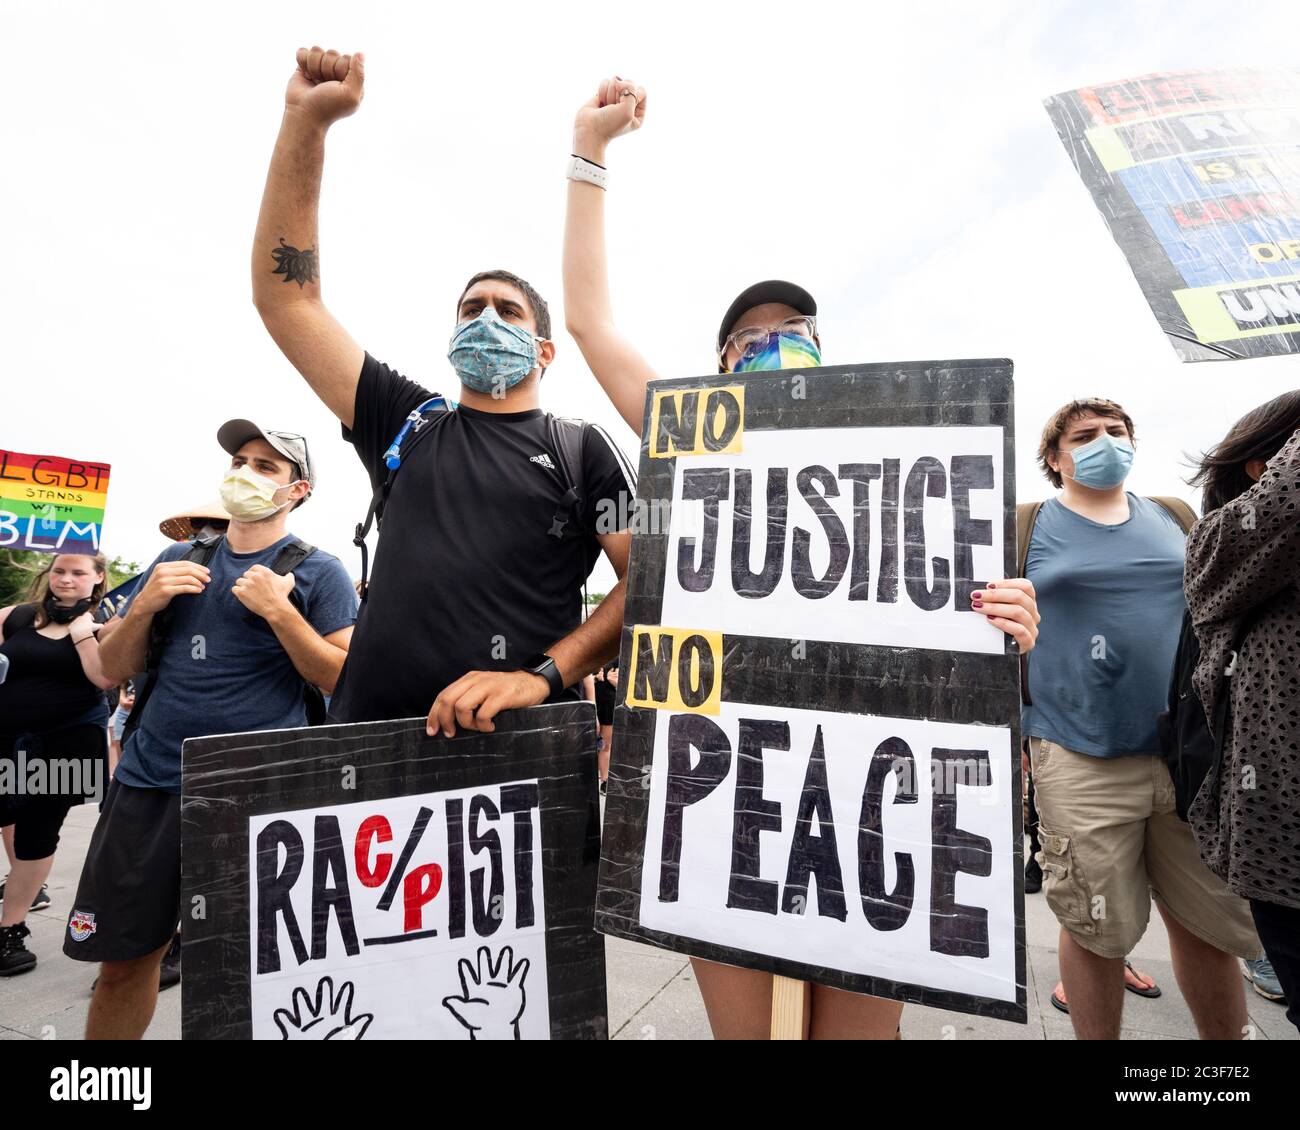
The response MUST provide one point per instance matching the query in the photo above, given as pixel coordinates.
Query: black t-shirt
(467, 575)
(46, 686)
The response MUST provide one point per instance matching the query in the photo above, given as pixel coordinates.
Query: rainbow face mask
(782, 351)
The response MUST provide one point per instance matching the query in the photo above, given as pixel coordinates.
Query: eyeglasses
(755, 337)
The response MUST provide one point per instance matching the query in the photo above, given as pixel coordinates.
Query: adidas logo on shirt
(542, 460)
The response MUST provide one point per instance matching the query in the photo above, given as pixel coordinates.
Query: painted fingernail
(977, 604)
(977, 595)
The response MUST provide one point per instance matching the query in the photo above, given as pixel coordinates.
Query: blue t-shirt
(219, 674)
(1111, 602)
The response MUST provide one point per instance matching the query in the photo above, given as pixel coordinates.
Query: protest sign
(367, 881)
(815, 759)
(1197, 175)
(50, 504)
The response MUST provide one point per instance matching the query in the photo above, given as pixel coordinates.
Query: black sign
(816, 757)
(368, 881)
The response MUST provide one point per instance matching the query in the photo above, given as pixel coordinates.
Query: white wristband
(582, 169)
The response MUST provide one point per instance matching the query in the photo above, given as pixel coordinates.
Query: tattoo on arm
(296, 266)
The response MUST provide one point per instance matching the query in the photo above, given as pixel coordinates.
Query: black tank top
(46, 687)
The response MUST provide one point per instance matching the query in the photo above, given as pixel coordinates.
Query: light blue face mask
(490, 355)
(1102, 463)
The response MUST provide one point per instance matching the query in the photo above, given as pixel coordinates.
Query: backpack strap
(286, 561)
(23, 616)
(291, 555)
(566, 436)
(1026, 518)
(1178, 510)
(201, 551)
(419, 421)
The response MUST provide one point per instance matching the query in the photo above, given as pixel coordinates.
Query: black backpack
(201, 552)
(565, 436)
(1188, 747)
(1185, 740)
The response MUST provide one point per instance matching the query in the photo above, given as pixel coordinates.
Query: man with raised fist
(499, 512)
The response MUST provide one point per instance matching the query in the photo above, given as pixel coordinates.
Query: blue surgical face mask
(490, 355)
(1102, 463)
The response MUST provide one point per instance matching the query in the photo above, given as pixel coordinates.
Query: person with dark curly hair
(1243, 591)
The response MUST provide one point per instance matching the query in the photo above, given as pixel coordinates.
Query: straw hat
(183, 526)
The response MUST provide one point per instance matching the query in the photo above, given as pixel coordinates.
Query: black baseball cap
(773, 290)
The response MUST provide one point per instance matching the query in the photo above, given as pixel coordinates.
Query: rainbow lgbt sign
(50, 504)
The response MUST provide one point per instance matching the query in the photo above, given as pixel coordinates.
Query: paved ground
(652, 994)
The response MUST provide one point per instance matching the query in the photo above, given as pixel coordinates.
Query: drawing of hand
(493, 1009)
(327, 1018)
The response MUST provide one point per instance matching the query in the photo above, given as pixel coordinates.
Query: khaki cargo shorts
(1111, 840)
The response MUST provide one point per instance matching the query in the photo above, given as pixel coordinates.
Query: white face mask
(250, 497)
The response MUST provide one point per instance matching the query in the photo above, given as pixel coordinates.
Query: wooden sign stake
(791, 1008)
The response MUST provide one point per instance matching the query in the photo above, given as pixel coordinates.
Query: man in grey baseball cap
(234, 435)
(244, 631)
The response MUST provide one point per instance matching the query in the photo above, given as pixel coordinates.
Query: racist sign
(816, 767)
(50, 504)
(369, 882)
(1197, 174)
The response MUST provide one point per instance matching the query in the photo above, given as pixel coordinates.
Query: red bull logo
(81, 925)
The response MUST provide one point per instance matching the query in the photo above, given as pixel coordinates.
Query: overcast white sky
(896, 161)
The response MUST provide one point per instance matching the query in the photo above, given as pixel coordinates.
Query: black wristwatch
(543, 665)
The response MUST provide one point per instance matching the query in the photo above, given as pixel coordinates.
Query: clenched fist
(617, 108)
(326, 86)
(263, 592)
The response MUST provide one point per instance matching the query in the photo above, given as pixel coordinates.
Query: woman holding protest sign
(770, 326)
(53, 736)
(1243, 592)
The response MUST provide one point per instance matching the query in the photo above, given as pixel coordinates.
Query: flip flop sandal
(1151, 993)
(1058, 1004)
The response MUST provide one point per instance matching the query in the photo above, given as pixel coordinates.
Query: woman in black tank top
(52, 731)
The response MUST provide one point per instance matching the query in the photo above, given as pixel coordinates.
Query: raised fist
(617, 108)
(326, 86)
